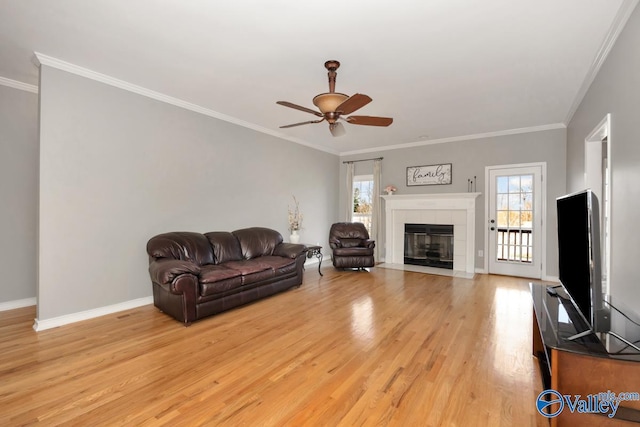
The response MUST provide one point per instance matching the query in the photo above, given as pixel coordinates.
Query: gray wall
(469, 158)
(616, 90)
(19, 193)
(117, 168)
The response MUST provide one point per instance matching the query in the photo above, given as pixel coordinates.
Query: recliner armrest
(163, 271)
(369, 243)
(334, 243)
(289, 250)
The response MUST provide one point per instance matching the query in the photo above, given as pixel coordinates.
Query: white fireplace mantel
(457, 209)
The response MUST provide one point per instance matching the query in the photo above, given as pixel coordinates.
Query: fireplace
(430, 245)
(457, 209)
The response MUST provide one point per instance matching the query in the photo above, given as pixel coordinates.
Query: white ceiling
(441, 69)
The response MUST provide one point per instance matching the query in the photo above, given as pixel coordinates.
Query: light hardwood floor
(384, 347)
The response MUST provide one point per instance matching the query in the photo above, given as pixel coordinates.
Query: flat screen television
(579, 256)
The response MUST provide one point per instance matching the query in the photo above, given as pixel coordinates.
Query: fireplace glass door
(429, 245)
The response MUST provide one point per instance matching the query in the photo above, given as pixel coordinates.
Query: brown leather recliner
(351, 245)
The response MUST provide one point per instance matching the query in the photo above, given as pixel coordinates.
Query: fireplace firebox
(429, 245)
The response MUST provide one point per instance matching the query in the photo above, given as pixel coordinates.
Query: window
(362, 200)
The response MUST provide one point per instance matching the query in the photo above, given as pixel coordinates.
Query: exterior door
(515, 213)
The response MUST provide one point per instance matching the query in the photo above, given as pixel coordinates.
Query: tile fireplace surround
(457, 209)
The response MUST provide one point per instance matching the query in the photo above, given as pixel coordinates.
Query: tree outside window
(363, 200)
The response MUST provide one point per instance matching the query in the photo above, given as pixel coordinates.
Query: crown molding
(458, 138)
(18, 85)
(625, 11)
(49, 61)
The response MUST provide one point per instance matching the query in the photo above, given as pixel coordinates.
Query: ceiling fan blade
(369, 120)
(353, 103)
(301, 123)
(337, 129)
(298, 107)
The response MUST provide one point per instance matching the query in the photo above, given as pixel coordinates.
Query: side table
(315, 250)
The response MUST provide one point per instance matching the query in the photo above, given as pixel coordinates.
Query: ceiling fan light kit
(329, 102)
(337, 129)
(333, 106)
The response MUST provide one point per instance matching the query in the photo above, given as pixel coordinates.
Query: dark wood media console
(584, 366)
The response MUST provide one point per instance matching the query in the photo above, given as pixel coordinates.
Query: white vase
(294, 237)
(390, 193)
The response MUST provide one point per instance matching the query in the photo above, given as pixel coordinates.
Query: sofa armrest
(289, 250)
(163, 271)
(369, 243)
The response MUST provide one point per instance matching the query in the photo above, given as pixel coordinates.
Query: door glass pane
(514, 202)
(526, 219)
(502, 184)
(502, 201)
(514, 219)
(503, 219)
(514, 207)
(514, 184)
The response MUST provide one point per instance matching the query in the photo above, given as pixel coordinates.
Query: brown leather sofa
(196, 275)
(351, 245)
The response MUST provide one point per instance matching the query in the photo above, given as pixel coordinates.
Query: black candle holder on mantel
(471, 185)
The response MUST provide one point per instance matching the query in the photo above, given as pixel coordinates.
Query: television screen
(579, 251)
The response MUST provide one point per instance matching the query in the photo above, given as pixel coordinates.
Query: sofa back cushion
(225, 246)
(257, 241)
(182, 245)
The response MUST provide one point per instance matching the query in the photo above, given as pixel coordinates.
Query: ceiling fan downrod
(332, 66)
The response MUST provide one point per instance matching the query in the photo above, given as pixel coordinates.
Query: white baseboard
(41, 325)
(545, 278)
(10, 305)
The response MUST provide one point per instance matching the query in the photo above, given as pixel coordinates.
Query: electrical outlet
(481, 253)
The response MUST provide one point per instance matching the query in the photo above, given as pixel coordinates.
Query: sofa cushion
(257, 241)
(249, 266)
(225, 246)
(258, 276)
(215, 279)
(182, 245)
(215, 273)
(279, 264)
(253, 270)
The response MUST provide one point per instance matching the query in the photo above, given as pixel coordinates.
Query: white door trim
(593, 179)
(543, 211)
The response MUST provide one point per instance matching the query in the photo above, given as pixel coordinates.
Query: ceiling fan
(334, 106)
